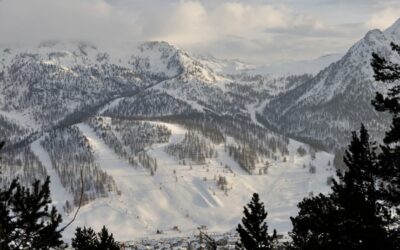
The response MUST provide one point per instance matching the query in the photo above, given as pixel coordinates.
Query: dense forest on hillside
(193, 147)
(23, 164)
(72, 157)
(129, 138)
(254, 141)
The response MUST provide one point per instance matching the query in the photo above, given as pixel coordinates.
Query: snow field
(178, 199)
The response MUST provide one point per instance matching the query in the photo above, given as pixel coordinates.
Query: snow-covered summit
(338, 98)
(394, 30)
(168, 61)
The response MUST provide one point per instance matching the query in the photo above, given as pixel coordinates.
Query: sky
(256, 31)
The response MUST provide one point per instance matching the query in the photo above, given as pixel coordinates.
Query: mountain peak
(394, 31)
(157, 45)
(395, 26)
(373, 34)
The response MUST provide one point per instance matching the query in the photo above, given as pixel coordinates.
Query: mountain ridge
(337, 100)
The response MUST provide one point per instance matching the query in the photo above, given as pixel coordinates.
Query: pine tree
(314, 227)
(388, 72)
(27, 222)
(351, 217)
(7, 226)
(87, 239)
(254, 231)
(106, 240)
(26, 219)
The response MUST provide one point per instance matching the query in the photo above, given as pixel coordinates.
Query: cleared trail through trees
(180, 197)
(148, 202)
(59, 195)
(203, 196)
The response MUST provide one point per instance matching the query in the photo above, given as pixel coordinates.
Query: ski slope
(58, 194)
(178, 199)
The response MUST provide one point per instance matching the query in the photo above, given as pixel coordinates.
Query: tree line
(72, 157)
(130, 138)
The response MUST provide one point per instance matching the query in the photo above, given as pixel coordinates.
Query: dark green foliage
(351, 217)
(2, 145)
(87, 239)
(315, 225)
(27, 221)
(359, 214)
(388, 72)
(106, 241)
(253, 231)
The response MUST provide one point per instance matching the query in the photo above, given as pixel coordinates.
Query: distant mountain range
(232, 67)
(59, 84)
(318, 101)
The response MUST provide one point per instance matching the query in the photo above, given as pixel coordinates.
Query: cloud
(191, 23)
(254, 30)
(384, 18)
(184, 23)
(23, 21)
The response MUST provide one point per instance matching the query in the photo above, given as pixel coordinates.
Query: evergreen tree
(388, 72)
(254, 231)
(26, 219)
(27, 222)
(106, 240)
(87, 239)
(351, 217)
(315, 227)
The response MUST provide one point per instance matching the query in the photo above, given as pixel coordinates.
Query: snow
(231, 67)
(179, 195)
(58, 194)
(190, 198)
(254, 108)
(334, 80)
(21, 119)
(394, 30)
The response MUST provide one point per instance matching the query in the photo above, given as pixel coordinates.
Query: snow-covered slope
(327, 107)
(166, 61)
(54, 81)
(57, 84)
(218, 152)
(179, 198)
(234, 67)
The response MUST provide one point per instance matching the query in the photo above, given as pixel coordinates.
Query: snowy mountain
(57, 84)
(175, 144)
(169, 142)
(234, 67)
(46, 84)
(337, 100)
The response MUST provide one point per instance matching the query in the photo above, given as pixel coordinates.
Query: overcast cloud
(252, 30)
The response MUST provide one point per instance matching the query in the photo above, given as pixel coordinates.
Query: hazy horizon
(255, 31)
